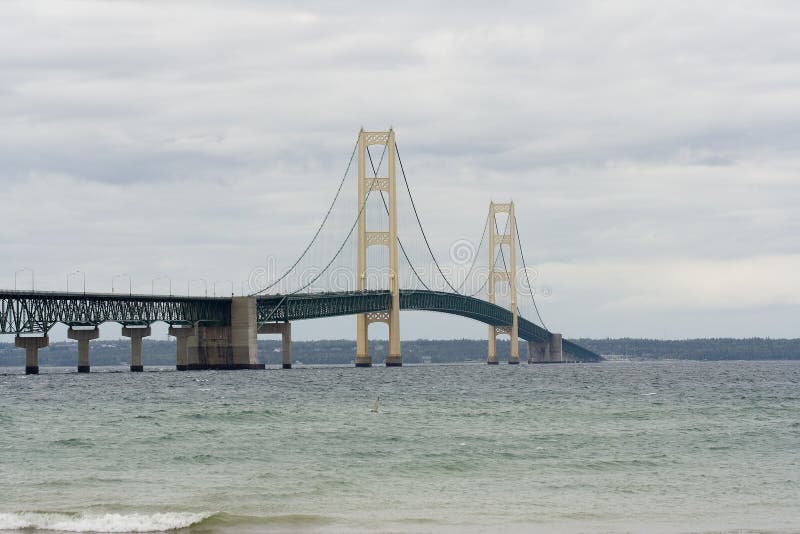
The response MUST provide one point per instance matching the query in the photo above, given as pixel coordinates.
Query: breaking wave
(108, 522)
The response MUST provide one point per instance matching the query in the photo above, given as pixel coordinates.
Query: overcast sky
(651, 147)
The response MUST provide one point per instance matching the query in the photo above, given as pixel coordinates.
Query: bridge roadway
(26, 312)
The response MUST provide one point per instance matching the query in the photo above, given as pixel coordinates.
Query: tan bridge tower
(507, 274)
(375, 185)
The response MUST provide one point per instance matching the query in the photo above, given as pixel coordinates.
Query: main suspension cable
(349, 234)
(319, 229)
(425, 237)
(475, 258)
(399, 241)
(496, 256)
(524, 266)
(419, 222)
(494, 260)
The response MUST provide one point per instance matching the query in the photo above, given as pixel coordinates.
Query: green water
(613, 447)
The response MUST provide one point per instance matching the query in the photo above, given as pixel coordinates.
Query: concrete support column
(31, 346)
(182, 335)
(244, 333)
(136, 334)
(363, 360)
(286, 345)
(83, 337)
(538, 352)
(195, 349)
(556, 354)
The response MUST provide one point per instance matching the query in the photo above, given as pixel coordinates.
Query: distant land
(340, 351)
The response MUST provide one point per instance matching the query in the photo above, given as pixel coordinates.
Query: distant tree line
(340, 351)
(755, 348)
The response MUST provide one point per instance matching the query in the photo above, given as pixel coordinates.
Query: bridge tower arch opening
(503, 272)
(387, 186)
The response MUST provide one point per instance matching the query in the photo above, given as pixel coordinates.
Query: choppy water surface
(613, 447)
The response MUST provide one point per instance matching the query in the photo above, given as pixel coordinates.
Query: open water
(612, 447)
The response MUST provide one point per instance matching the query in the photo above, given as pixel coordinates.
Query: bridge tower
(366, 238)
(508, 273)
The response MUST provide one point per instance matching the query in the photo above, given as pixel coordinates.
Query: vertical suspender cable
(319, 229)
(386, 207)
(525, 266)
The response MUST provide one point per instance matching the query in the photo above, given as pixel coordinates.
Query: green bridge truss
(317, 305)
(37, 312)
(29, 312)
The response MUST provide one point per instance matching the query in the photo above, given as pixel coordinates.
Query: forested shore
(162, 352)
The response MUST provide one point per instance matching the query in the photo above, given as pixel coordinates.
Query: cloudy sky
(651, 147)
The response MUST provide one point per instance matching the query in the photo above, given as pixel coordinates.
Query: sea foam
(88, 522)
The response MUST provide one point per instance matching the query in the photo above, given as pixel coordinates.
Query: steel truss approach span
(27, 312)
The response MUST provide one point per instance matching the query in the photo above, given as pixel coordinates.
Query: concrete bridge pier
(538, 352)
(285, 330)
(286, 346)
(556, 350)
(394, 360)
(209, 348)
(182, 335)
(363, 360)
(83, 337)
(546, 351)
(31, 346)
(136, 334)
(244, 333)
(218, 345)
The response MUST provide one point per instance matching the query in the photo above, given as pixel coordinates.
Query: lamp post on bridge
(83, 274)
(189, 286)
(23, 269)
(153, 284)
(214, 292)
(123, 275)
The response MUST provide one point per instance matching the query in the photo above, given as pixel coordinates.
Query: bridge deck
(31, 312)
(316, 305)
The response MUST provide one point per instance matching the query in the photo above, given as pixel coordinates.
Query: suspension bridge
(357, 262)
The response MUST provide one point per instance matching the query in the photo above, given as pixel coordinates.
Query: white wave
(86, 522)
